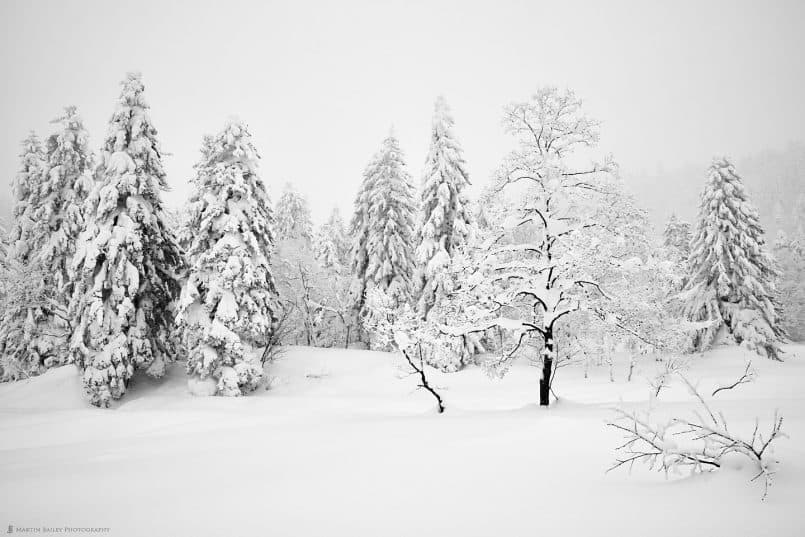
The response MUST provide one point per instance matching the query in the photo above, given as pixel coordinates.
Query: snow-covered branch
(699, 443)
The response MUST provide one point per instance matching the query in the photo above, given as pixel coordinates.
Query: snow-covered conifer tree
(127, 263)
(789, 252)
(229, 303)
(677, 235)
(382, 227)
(293, 216)
(25, 189)
(332, 243)
(332, 282)
(23, 348)
(64, 189)
(732, 276)
(299, 277)
(444, 218)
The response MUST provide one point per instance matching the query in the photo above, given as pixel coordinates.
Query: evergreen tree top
(728, 251)
(27, 180)
(26, 189)
(229, 197)
(233, 145)
(69, 147)
(131, 150)
(293, 215)
(69, 159)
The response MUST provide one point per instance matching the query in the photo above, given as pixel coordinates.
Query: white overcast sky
(320, 83)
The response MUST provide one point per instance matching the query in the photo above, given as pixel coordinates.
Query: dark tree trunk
(547, 369)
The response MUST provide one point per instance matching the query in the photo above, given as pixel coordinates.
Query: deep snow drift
(340, 446)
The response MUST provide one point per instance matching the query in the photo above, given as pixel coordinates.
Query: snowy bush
(308, 270)
(398, 327)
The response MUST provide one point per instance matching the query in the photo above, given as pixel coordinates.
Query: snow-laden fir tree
(732, 277)
(677, 235)
(36, 327)
(382, 227)
(331, 248)
(26, 192)
(229, 302)
(296, 270)
(789, 252)
(23, 350)
(293, 216)
(444, 223)
(127, 265)
(65, 187)
(331, 243)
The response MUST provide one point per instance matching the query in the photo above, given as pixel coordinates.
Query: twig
(747, 377)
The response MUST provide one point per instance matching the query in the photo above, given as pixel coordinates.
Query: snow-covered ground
(340, 446)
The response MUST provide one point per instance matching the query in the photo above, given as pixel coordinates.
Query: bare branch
(747, 377)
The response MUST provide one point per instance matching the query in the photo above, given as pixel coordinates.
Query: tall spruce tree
(732, 276)
(293, 216)
(66, 184)
(23, 349)
(229, 303)
(64, 190)
(127, 266)
(26, 192)
(445, 218)
(677, 235)
(789, 252)
(383, 227)
(332, 243)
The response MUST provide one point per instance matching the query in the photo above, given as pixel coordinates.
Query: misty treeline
(554, 262)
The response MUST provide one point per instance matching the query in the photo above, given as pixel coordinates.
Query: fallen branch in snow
(747, 377)
(698, 443)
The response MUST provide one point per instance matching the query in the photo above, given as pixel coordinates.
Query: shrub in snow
(126, 267)
(382, 228)
(302, 285)
(228, 304)
(732, 276)
(444, 221)
(399, 327)
(29, 340)
(700, 442)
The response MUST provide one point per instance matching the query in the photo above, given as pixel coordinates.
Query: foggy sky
(320, 83)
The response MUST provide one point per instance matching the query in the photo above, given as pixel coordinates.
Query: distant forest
(775, 180)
